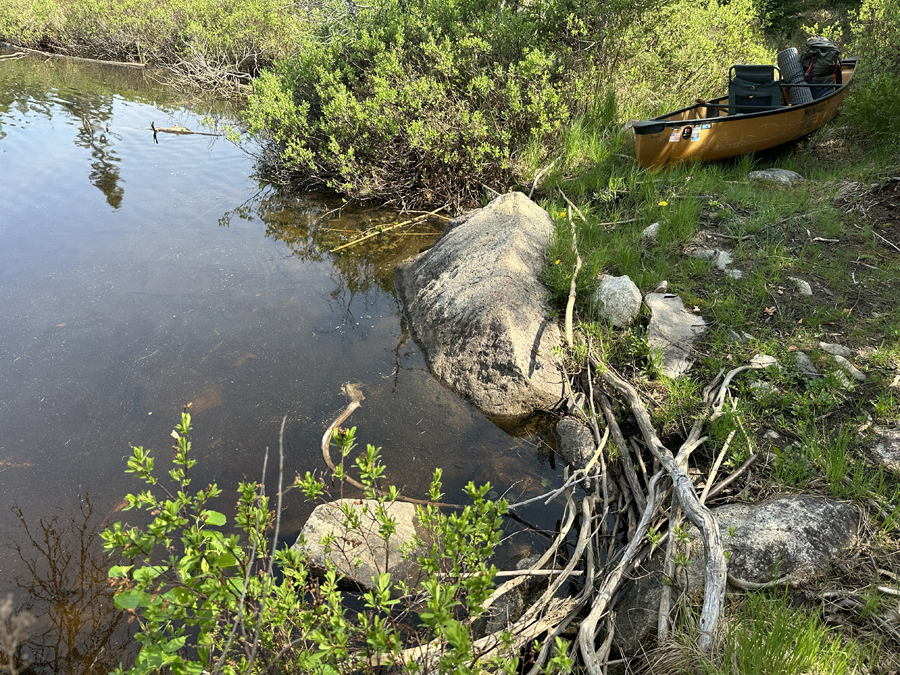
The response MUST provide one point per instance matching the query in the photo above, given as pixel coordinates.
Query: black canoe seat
(753, 88)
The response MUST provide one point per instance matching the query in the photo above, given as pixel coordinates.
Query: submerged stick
(356, 395)
(385, 229)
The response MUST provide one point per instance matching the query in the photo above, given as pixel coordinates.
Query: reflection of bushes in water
(310, 230)
(78, 629)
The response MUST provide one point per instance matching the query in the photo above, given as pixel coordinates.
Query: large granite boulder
(360, 553)
(476, 307)
(795, 535)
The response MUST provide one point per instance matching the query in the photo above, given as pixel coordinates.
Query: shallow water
(137, 277)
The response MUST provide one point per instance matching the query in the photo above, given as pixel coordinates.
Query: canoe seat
(753, 88)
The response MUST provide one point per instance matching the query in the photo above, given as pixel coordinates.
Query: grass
(767, 635)
(825, 422)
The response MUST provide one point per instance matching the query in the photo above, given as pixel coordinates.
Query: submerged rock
(360, 554)
(478, 310)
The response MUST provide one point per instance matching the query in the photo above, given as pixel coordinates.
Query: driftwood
(605, 554)
(122, 64)
(178, 131)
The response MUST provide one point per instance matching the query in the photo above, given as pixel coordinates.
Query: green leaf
(227, 560)
(119, 571)
(174, 645)
(215, 518)
(128, 599)
(182, 595)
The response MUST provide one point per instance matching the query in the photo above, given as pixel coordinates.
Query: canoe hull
(705, 133)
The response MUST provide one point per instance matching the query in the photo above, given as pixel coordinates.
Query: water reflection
(313, 226)
(76, 631)
(24, 85)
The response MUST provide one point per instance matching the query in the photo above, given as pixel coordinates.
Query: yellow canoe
(709, 130)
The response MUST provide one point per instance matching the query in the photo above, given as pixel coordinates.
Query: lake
(139, 276)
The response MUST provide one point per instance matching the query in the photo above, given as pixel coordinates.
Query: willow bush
(435, 100)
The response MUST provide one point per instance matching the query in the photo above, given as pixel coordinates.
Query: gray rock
(723, 260)
(477, 309)
(709, 254)
(848, 368)
(761, 361)
(803, 287)
(795, 535)
(742, 337)
(501, 614)
(360, 554)
(651, 232)
(576, 403)
(672, 331)
(783, 176)
(805, 365)
(886, 450)
(574, 442)
(836, 350)
(617, 300)
(843, 380)
(772, 436)
(734, 274)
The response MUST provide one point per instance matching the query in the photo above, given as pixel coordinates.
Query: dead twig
(382, 230)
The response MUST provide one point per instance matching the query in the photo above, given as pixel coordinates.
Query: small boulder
(475, 305)
(805, 365)
(651, 232)
(672, 331)
(783, 176)
(795, 535)
(617, 300)
(761, 361)
(803, 287)
(834, 349)
(360, 554)
(886, 450)
(848, 368)
(574, 442)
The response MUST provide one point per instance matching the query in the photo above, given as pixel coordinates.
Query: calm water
(137, 277)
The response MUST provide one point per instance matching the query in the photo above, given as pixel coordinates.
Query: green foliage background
(430, 102)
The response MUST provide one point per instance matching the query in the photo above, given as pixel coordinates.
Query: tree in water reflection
(77, 629)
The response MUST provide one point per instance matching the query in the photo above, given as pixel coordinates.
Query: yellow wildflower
(664, 203)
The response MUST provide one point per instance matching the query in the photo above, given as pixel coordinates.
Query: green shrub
(874, 105)
(208, 601)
